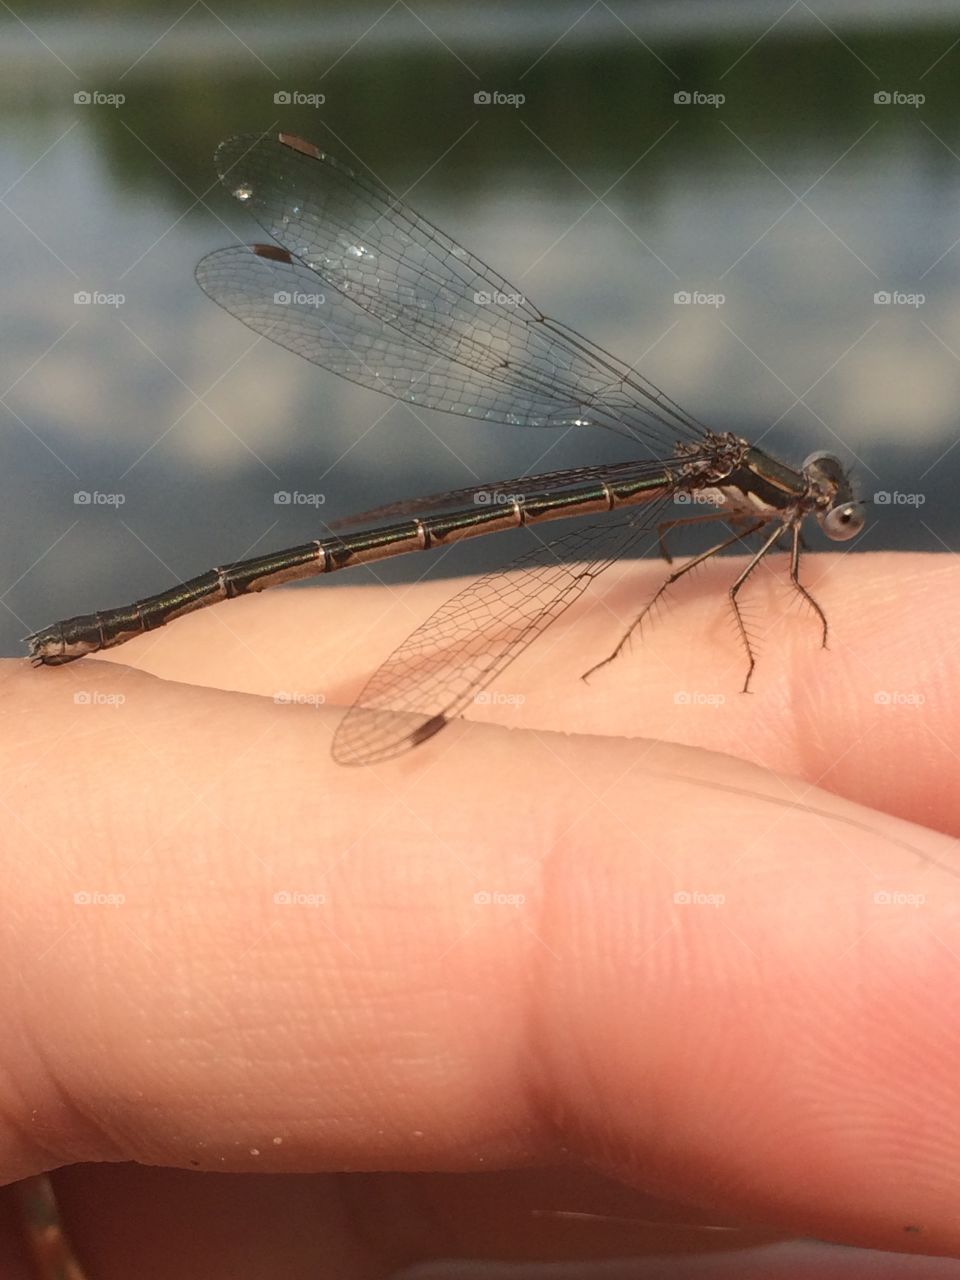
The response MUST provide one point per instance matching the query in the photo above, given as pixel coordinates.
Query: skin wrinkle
(73, 1118)
(530, 1054)
(87, 1134)
(557, 1116)
(580, 1139)
(798, 806)
(578, 1112)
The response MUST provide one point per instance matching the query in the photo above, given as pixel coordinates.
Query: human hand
(775, 1053)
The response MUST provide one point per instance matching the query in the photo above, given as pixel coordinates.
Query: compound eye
(843, 522)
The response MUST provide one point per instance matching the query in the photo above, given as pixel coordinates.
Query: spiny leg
(675, 524)
(734, 591)
(795, 579)
(666, 584)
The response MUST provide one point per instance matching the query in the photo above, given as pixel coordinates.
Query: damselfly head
(840, 515)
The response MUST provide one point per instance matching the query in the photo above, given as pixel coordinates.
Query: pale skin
(777, 1050)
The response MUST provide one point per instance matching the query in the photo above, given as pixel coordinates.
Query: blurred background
(795, 168)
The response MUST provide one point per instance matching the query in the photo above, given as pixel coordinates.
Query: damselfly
(410, 313)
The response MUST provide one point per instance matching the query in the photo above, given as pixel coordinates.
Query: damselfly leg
(359, 283)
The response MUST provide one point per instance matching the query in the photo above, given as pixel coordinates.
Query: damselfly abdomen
(408, 312)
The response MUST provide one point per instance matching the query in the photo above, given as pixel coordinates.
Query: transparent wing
(441, 667)
(507, 360)
(277, 296)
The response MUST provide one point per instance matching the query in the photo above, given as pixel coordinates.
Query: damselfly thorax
(408, 312)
